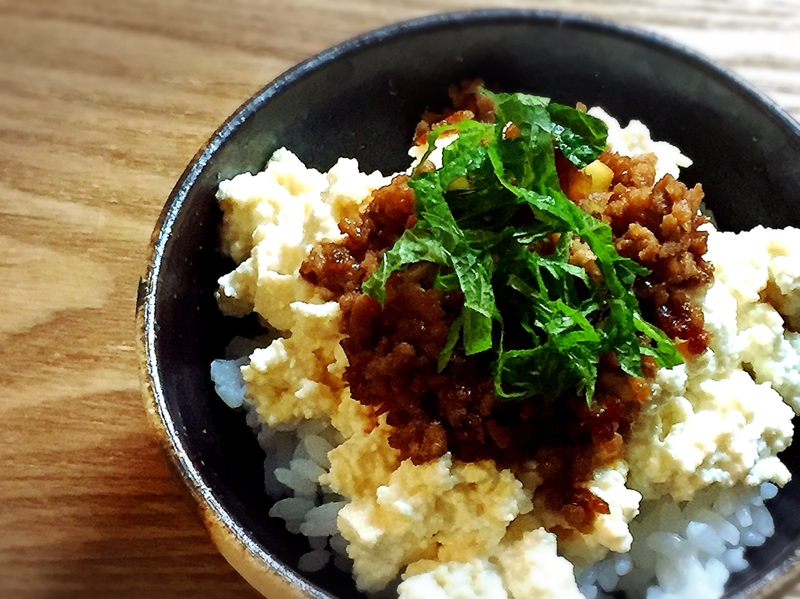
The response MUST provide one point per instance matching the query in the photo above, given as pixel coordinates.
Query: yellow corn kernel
(601, 175)
(459, 184)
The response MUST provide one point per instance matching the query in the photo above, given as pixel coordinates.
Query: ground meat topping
(393, 353)
(468, 103)
(656, 224)
(393, 350)
(342, 267)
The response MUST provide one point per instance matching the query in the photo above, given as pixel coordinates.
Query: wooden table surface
(102, 104)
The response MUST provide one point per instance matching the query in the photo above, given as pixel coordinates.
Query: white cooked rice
(296, 456)
(314, 560)
(686, 550)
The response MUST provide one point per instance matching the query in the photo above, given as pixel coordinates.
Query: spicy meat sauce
(393, 350)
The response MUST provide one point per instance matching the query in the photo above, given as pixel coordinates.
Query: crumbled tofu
(237, 290)
(361, 464)
(351, 417)
(610, 531)
(270, 223)
(718, 431)
(349, 190)
(277, 197)
(634, 139)
(438, 510)
(761, 268)
(532, 569)
(709, 421)
(291, 380)
(476, 579)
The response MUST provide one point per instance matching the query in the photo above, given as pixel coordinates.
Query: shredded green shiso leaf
(564, 321)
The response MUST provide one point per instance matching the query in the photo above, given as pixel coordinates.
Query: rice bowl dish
(682, 501)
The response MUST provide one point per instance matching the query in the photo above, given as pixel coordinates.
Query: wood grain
(102, 104)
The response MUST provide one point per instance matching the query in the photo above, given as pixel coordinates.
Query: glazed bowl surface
(362, 99)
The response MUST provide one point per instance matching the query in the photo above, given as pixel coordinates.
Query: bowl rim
(268, 575)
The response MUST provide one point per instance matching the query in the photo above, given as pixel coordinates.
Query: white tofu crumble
(634, 140)
(709, 421)
(477, 579)
(455, 530)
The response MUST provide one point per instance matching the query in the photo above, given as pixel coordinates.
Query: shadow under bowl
(362, 99)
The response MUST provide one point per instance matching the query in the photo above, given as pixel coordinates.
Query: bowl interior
(362, 99)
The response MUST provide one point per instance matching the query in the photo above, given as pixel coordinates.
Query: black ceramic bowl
(362, 99)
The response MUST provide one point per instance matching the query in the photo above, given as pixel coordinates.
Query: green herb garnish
(555, 321)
